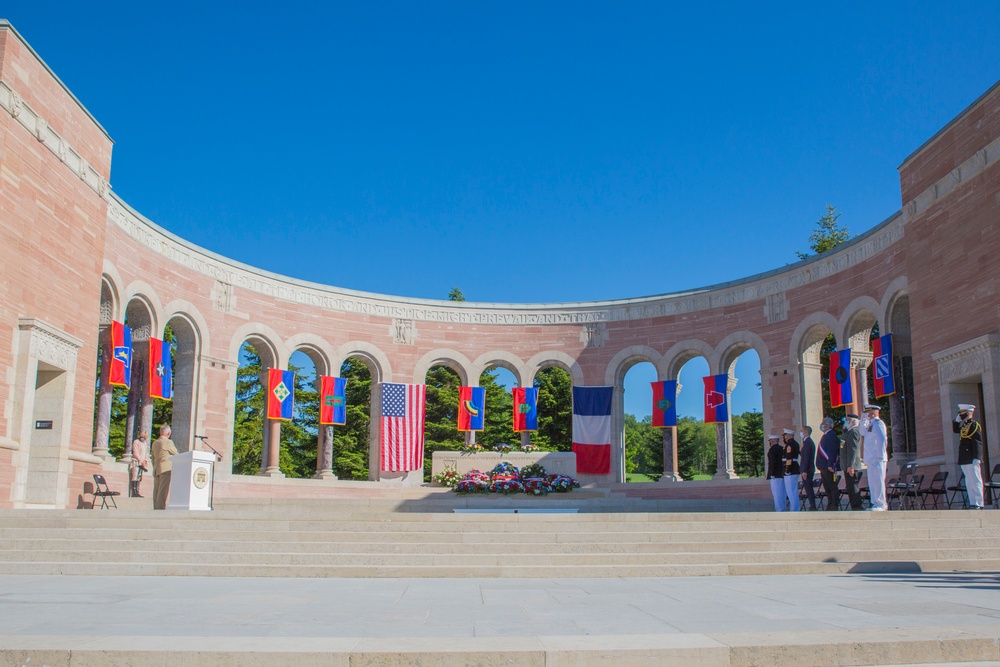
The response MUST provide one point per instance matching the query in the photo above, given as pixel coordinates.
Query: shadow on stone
(885, 567)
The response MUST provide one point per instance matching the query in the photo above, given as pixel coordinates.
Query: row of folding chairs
(908, 490)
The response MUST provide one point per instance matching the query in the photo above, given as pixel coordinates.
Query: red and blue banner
(664, 403)
(716, 407)
(592, 429)
(161, 369)
(885, 382)
(840, 379)
(332, 400)
(525, 409)
(471, 408)
(121, 355)
(280, 393)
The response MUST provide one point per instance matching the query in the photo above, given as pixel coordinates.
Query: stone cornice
(957, 177)
(754, 288)
(30, 120)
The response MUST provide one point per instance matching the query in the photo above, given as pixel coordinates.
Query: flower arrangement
(537, 486)
(448, 477)
(532, 470)
(528, 447)
(504, 469)
(474, 481)
(562, 483)
(472, 448)
(502, 447)
(505, 484)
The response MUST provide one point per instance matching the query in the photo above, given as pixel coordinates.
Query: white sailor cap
(788, 431)
(872, 406)
(772, 437)
(965, 406)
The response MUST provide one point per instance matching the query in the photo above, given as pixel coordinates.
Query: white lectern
(191, 481)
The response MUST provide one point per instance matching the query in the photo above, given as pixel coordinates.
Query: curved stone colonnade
(928, 274)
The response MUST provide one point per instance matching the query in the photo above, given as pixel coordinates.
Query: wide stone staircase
(509, 539)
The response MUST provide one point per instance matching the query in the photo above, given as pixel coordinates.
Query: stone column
(618, 434)
(860, 360)
(724, 439)
(670, 471)
(103, 430)
(274, 451)
(324, 453)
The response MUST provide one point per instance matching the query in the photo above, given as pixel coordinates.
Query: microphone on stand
(204, 442)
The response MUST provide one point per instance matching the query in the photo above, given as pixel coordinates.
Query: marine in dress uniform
(776, 472)
(875, 454)
(791, 469)
(807, 465)
(850, 461)
(970, 450)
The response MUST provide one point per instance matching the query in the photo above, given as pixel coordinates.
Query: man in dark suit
(807, 465)
(850, 461)
(828, 462)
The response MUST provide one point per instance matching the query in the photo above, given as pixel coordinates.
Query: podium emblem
(200, 477)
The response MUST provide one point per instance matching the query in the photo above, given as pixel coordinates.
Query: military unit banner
(716, 407)
(525, 409)
(885, 383)
(840, 379)
(471, 408)
(121, 355)
(664, 403)
(280, 393)
(161, 369)
(332, 400)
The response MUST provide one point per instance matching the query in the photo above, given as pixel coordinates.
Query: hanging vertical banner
(885, 381)
(716, 408)
(280, 393)
(840, 379)
(332, 400)
(525, 409)
(471, 408)
(402, 437)
(121, 355)
(664, 403)
(161, 369)
(592, 429)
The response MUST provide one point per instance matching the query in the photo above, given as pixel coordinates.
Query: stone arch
(187, 374)
(141, 310)
(625, 359)
(110, 310)
(375, 359)
(110, 303)
(734, 345)
(804, 354)
(264, 339)
(670, 364)
(857, 321)
(556, 358)
(453, 359)
(141, 291)
(314, 347)
(902, 404)
(500, 359)
(109, 273)
(897, 290)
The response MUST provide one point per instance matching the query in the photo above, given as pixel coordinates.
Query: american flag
(402, 426)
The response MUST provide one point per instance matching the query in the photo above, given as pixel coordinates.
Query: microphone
(201, 437)
(204, 439)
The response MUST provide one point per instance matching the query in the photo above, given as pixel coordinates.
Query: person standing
(875, 453)
(163, 448)
(850, 461)
(828, 461)
(807, 465)
(791, 469)
(138, 463)
(776, 472)
(970, 450)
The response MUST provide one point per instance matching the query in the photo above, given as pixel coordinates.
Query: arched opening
(441, 421)
(352, 442)
(299, 435)
(696, 440)
(747, 416)
(555, 409)
(498, 424)
(643, 443)
(185, 345)
(249, 433)
(902, 410)
(814, 360)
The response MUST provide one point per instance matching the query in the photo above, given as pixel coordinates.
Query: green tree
(829, 233)
(248, 418)
(748, 444)
(456, 295)
(695, 447)
(441, 417)
(350, 441)
(499, 418)
(643, 447)
(555, 410)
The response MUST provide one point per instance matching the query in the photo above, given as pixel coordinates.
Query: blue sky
(521, 151)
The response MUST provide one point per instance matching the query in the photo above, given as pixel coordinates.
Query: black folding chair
(957, 489)
(102, 491)
(993, 484)
(912, 492)
(898, 488)
(937, 489)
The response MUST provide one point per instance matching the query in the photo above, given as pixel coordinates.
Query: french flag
(840, 378)
(716, 409)
(592, 429)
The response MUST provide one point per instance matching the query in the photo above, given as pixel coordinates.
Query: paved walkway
(273, 615)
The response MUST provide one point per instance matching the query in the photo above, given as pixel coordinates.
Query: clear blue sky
(524, 152)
